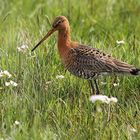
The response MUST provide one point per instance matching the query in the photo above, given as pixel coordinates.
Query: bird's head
(60, 23)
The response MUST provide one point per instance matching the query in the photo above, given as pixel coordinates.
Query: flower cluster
(23, 48)
(11, 83)
(103, 99)
(5, 73)
(116, 84)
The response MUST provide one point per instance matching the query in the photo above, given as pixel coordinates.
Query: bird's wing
(92, 59)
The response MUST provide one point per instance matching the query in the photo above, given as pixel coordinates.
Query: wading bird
(84, 61)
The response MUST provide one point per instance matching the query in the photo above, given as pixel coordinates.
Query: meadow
(51, 104)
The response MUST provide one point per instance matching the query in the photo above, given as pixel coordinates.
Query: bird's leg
(91, 86)
(96, 85)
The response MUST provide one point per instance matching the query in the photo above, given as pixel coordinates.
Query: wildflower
(121, 42)
(48, 82)
(116, 84)
(11, 83)
(59, 76)
(113, 99)
(103, 83)
(103, 99)
(23, 48)
(17, 123)
(5, 73)
(133, 129)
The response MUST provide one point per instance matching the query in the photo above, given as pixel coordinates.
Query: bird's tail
(126, 68)
(135, 71)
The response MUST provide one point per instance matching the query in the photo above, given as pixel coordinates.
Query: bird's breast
(75, 68)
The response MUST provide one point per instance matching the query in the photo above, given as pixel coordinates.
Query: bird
(84, 61)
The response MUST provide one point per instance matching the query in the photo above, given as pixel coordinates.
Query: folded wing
(86, 62)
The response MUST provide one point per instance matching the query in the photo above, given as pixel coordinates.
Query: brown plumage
(84, 61)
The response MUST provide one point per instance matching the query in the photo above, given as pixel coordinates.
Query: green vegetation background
(49, 108)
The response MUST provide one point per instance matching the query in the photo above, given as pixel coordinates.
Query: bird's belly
(81, 73)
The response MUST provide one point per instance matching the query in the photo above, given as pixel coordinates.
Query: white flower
(22, 48)
(11, 83)
(103, 83)
(5, 73)
(103, 99)
(113, 99)
(116, 84)
(48, 82)
(59, 76)
(17, 123)
(133, 130)
(121, 42)
(7, 84)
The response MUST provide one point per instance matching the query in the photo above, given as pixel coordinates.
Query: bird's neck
(64, 41)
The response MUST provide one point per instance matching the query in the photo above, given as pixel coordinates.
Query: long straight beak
(44, 38)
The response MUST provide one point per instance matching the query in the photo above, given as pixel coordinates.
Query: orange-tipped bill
(44, 38)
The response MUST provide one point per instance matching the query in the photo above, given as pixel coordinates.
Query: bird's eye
(59, 22)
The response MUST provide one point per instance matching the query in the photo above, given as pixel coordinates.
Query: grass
(61, 109)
